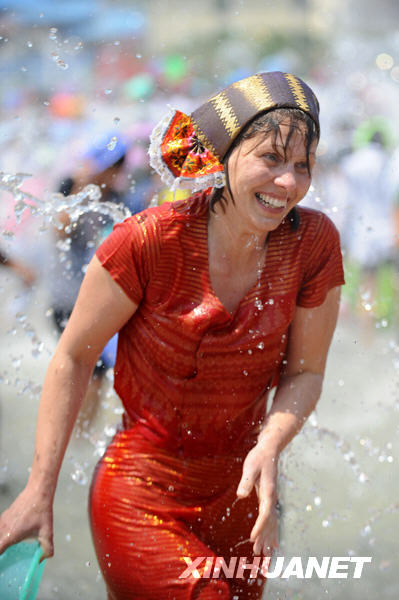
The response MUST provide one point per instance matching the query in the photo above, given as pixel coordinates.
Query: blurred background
(83, 83)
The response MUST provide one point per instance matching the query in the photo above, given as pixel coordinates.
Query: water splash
(340, 443)
(76, 205)
(367, 528)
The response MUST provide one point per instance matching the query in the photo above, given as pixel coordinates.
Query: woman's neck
(229, 240)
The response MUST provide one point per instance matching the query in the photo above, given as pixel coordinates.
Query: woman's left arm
(296, 396)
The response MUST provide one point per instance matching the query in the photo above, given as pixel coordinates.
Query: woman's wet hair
(269, 123)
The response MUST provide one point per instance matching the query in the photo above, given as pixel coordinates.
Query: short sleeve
(323, 269)
(126, 254)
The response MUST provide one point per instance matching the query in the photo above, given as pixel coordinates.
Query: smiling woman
(217, 299)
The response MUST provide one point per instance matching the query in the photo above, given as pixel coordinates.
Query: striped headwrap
(187, 151)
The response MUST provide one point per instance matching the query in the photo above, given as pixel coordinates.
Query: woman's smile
(271, 202)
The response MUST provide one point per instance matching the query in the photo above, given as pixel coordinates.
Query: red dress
(193, 381)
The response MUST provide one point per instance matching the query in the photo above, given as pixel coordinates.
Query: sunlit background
(73, 71)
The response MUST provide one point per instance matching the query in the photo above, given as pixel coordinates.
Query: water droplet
(395, 74)
(171, 488)
(326, 523)
(16, 362)
(87, 563)
(79, 476)
(117, 121)
(112, 143)
(139, 56)
(107, 91)
(38, 349)
(341, 382)
(365, 531)
(261, 345)
(308, 508)
(363, 478)
(258, 303)
(68, 537)
(53, 33)
(384, 564)
(317, 500)
(110, 430)
(384, 61)
(245, 372)
(29, 44)
(61, 64)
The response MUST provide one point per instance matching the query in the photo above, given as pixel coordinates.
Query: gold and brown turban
(186, 151)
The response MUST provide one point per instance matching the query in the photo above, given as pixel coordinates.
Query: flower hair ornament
(187, 150)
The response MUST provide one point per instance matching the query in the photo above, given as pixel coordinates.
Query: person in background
(76, 241)
(369, 233)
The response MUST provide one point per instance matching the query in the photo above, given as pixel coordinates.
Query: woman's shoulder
(315, 222)
(190, 208)
(171, 214)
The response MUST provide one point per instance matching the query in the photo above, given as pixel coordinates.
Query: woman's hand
(30, 515)
(260, 470)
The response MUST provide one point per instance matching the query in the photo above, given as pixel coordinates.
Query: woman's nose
(286, 179)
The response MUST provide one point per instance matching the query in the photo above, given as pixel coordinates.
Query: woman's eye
(270, 156)
(302, 166)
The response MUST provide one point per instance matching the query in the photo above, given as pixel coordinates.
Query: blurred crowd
(359, 190)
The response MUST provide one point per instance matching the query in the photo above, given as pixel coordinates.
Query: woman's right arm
(102, 308)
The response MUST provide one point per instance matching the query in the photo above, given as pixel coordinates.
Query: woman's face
(267, 181)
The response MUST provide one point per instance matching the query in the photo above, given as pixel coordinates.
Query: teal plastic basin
(20, 571)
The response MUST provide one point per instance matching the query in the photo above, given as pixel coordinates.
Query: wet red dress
(193, 381)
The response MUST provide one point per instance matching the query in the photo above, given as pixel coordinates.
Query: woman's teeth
(269, 201)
